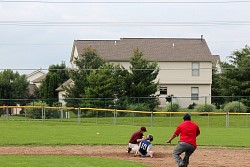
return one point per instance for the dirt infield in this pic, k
(202, 157)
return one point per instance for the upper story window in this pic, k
(194, 93)
(163, 90)
(195, 69)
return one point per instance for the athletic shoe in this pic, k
(129, 149)
(181, 165)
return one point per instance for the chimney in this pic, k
(201, 37)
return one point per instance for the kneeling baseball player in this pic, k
(145, 147)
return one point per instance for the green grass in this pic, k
(68, 133)
(56, 133)
(63, 161)
(217, 120)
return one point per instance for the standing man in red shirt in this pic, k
(135, 139)
(188, 132)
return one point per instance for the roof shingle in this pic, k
(153, 49)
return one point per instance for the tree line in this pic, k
(233, 81)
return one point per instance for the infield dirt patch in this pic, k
(202, 157)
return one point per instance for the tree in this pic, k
(90, 60)
(94, 78)
(141, 82)
(12, 86)
(216, 88)
(56, 76)
(106, 83)
(235, 78)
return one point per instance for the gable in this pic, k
(35, 75)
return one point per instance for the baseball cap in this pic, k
(187, 116)
(143, 129)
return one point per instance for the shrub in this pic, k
(138, 107)
(54, 113)
(205, 108)
(36, 113)
(235, 106)
(96, 113)
(174, 107)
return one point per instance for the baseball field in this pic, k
(46, 143)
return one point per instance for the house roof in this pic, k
(35, 72)
(39, 79)
(153, 49)
(216, 59)
(65, 84)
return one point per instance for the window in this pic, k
(163, 90)
(194, 93)
(195, 69)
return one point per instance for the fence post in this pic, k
(7, 112)
(133, 118)
(78, 115)
(151, 123)
(170, 119)
(227, 119)
(96, 116)
(115, 117)
(42, 113)
(246, 120)
(208, 119)
(206, 104)
(61, 114)
(115, 106)
(25, 114)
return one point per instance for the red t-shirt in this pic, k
(188, 132)
(136, 135)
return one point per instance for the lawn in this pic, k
(62, 161)
(73, 133)
(59, 133)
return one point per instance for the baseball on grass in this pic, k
(97, 133)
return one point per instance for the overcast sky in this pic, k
(37, 34)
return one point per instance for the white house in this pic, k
(61, 91)
(36, 77)
(32, 78)
(185, 63)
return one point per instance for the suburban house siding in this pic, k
(177, 78)
(175, 57)
(182, 94)
(74, 54)
(61, 97)
(181, 73)
(62, 92)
